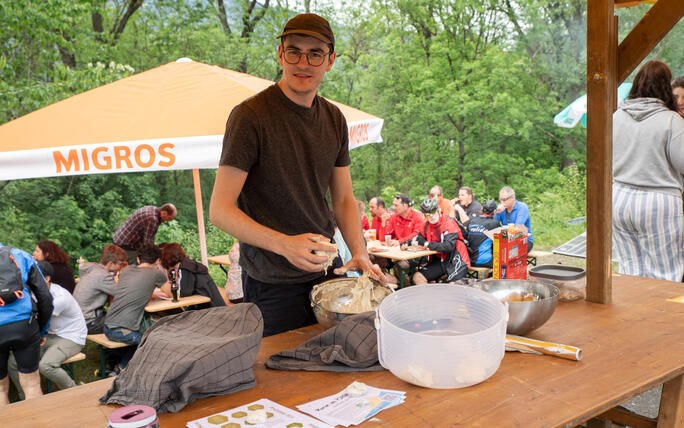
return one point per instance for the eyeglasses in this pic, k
(434, 195)
(293, 56)
(505, 199)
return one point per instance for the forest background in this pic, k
(468, 90)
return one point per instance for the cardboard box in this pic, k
(509, 254)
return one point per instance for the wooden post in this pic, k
(671, 412)
(601, 96)
(200, 216)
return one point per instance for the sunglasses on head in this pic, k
(403, 199)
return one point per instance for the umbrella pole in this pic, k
(200, 216)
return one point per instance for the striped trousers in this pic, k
(648, 233)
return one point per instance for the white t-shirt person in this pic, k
(67, 319)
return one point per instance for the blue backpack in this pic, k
(11, 285)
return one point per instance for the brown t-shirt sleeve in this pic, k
(241, 140)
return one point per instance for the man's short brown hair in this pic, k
(112, 253)
(170, 209)
(466, 189)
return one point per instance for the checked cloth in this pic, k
(191, 355)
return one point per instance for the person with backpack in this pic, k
(66, 335)
(439, 233)
(23, 323)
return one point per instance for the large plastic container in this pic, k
(441, 336)
(570, 280)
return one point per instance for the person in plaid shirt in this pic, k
(141, 227)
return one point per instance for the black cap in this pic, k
(310, 24)
(46, 268)
(489, 207)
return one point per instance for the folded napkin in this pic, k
(349, 346)
(191, 355)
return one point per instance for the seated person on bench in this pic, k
(479, 245)
(137, 284)
(98, 284)
(439, 233)
(66, 335)
(515, 212)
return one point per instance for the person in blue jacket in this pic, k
(514, 212)
(22, 331)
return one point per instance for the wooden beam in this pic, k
(626, 417)
(629, 3)
(601, 99)
(646, 34)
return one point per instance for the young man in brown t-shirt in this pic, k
(283, 150)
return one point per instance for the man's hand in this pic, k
(298, 250)
(499, 208)
(363, 264)
(43, 340)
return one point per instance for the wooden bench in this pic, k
(68, 366)
(103, 344)
(534, 254)
(478, 272)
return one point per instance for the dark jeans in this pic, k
(123, 335)
(284, 307)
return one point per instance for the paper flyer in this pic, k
(346, 409)
(274, 414)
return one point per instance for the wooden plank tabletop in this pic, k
(223, 259)
(396, 253)
(158, 305)
(629, 346)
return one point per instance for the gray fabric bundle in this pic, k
(349, 346)
(191, 355)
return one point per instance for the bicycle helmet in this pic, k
(429, 206)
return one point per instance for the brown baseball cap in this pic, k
(309, 24)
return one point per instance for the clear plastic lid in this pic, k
(558, 272)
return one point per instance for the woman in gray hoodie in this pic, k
(648, 177)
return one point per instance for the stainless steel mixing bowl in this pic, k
(530, 303)
(327, 297)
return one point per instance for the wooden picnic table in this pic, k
(222, 260)
(158, 305)
(397, 254)
(629, 346)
